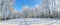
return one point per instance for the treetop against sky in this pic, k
(20, 3)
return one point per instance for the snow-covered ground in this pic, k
(31, 21)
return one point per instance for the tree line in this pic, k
(47, 9)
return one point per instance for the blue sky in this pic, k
(20, 3)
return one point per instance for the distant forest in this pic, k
(47, 9)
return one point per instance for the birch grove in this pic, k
(47, 9)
